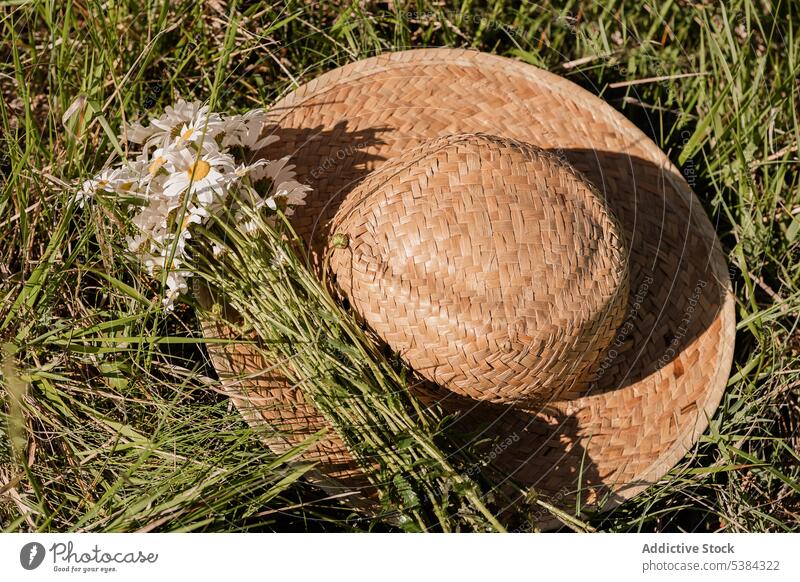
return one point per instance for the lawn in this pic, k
(112, 416)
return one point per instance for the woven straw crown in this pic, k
(493, 267)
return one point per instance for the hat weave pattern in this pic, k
(492, 267)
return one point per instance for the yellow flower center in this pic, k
(198, 170)
(188, 133)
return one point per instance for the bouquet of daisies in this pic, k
(191, 165)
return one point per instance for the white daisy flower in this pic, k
(289, 195)
(156, 162)
(199, 131)
(138, 241)
(191, 167)
(245, 130)
(208, 173)
(120, 180)
(181, 118)
(137, 133)
(277, 171)
(244, 170)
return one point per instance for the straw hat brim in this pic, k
(662, 378)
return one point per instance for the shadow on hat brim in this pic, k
(661, 380)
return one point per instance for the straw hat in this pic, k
(531, 255)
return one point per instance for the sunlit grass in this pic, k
(121, 424)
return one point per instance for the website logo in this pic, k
(31, 555)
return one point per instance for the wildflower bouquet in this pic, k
(193, 165)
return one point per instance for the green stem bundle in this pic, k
(342, 371)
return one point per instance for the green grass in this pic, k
(114, 419)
